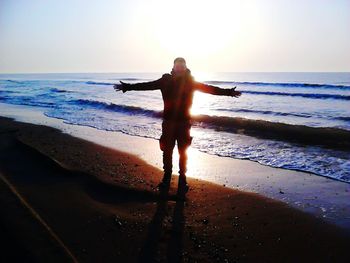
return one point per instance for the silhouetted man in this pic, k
(177, 91)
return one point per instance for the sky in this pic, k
(38, 36)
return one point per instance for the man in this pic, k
(177, 91)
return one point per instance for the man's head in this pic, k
(179, 67)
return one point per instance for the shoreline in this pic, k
(101, 201)
(323, 197)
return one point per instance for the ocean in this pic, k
(298, 121)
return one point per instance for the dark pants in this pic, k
(175, 131)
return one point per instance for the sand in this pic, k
(322, 197)
(102, 206)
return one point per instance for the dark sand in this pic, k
(84, 201)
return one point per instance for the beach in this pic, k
(312, 136)
(80, 167)
(324, 198)
(102, 205)
(174, 131)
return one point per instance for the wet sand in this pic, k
(322, 197)
(101, 205)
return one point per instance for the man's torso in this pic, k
(177, 93)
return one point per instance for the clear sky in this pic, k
(145, 36)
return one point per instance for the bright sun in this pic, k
(194, 27)
(203, 31)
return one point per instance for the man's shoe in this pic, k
(164, 185)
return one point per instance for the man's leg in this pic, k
(167, 164)
(182, 162)
(184, 141)
(183, 187)
(167, 144)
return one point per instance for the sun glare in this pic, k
(192, 27)
(195, 27)
(200, 101)
(199, 30)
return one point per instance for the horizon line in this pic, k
(153, 72)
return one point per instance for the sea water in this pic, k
(252, 126)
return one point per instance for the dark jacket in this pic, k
(177, 93)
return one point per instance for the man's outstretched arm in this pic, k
(151, 85)
(216, 90)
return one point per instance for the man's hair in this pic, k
(179, 59)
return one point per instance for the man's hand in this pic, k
(235, 93)
(121, 87)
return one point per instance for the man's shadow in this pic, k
(175, 244)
